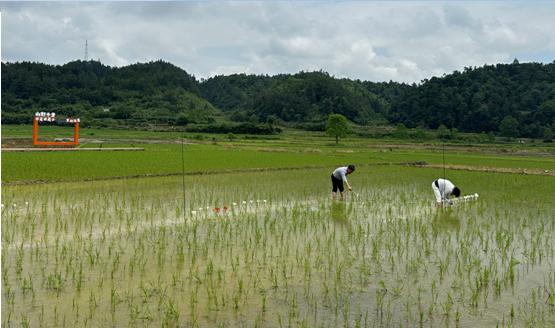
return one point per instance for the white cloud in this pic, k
(110, 49)
(401, 41)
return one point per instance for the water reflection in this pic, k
(446, 219)
(339, 212)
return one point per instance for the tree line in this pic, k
(501, 98)
(135, 95)
(510, 99)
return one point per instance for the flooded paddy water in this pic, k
(273, 249)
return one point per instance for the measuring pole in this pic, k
(183, 172)
(443, 193)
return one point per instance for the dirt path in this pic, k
(480, 149)
(527, 171)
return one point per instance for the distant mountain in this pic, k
(474, 100)
(302, 97)
(139, 94)
(479, 99)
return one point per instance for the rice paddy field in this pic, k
(270, 248)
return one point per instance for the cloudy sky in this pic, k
(376, 41)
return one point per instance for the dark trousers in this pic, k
(336, 184)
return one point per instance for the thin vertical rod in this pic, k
(443, 193)
(183, 172)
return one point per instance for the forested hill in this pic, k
(303, 97)
(518, 96)
(139, 94)
(480, 99)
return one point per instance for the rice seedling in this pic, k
(271, 249)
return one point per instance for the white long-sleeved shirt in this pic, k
(444, 190)
(340, 173)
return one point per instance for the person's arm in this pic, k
(449, 187)
(446, 199)
(344, 177)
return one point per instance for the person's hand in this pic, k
(350, 188)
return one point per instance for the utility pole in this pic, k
(86, 50)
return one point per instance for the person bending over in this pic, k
(444, 190)
(338, 177)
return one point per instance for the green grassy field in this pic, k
(163, 155)
(167, 160)
(251, 237)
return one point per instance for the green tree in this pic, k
(182, 119)
(547, 134)
(546, 112)
(401, 131)
(508, 127)
(443, 132)
(337, 126)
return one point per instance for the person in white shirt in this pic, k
(443, 190)
(339, 176)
